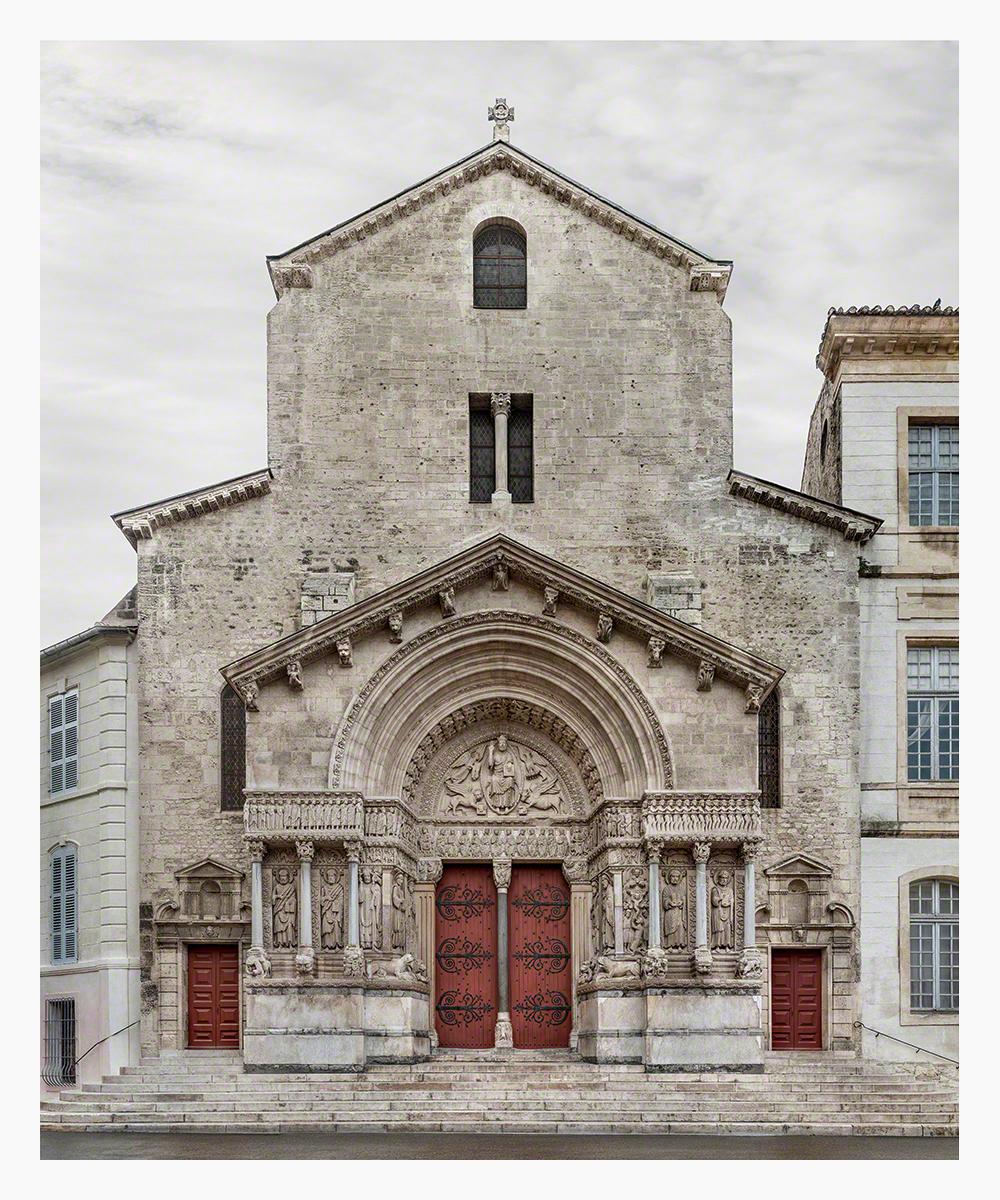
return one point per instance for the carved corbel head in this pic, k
(294, 670)
(654, 651)
(345, 652)
(551, 595)
(754, 696)
(446, 599)
(396, 627)
(250, 694)
(706, 675)
(605, 626)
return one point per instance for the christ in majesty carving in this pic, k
(499, 779)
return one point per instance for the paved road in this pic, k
(471, 1146)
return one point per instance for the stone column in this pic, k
(749, 966)
(702, 952)
(500, 408)
(428, 872)
(581, 949)
(504, 1036)
(256, 963)
(354, 956)
(654, 851)
(305, 960)
(619, 911)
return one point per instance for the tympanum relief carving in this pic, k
(501, 778)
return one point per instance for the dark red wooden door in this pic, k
(541, 987)
(213, 996)
(796, 1000)
(465, 957)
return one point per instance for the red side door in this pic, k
(465, 957)
(541, 987)
(213, 996)
(796, 1000)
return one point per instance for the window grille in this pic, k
(59, 1042)
(934, 946)
(64, 734)
(933, 469)
(520, 451)
(63, 904)
(482, 451)
(932, 712)
(233, 774)
(499, 268)
(769, 751)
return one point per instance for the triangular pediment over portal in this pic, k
(798, 865)
(500, 559)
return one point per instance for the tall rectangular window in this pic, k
(933, 468)
(769, 751)
(63, 905)
(934, 946)
(482, 451)
(520, 451)
(932, 712)
(233, 768)
(64, 712)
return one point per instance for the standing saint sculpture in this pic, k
(608, 913)
(398, 935)
(371, 908)
(723, 922)
(331, 911)
(284, 909)
(675, 910)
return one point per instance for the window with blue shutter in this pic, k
(64, 712)
(63, 903)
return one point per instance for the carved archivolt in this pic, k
(599, 670)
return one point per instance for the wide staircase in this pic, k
(534, 1092)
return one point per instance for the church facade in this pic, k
(499, 711)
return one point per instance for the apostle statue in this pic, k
(723, 919)
(675, 910)
(398, 913)
(331, 911)
(371, 907)
(284, 910)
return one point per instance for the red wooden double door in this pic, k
(213, 996)
(796, 1000)
(538, 958)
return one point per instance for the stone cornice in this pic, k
(529, 566)
(860, 334)
(138, 523)
(855, 526)
(293, 268)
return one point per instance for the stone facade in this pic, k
(98, 818)
(622, 630)
(883, 371)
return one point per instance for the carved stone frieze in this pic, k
(290, 816)
(680, 817)
(488, 842)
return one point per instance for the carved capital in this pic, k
(575, 870)
(500, 404)
(754, 694)
(706, 675)
(501, 872)
(294, 672)
(654, 849)
(250, 693)
(429, 870)
(345, 652)
(447, 601)
(751, 851)
(701, 851)
(255, 849)
(654, 651)
(551, 601)
(396, 627)
(353, 851)
(305, 850)
(605, 626)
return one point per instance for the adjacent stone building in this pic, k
(499, 711)
(884, 437)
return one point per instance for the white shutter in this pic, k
(63, 903)
(63, 742)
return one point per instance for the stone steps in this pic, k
(551, 1093)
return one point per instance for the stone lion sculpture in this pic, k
(615, 968)
(404, 966)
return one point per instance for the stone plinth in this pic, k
(612, 1023)
(397, 1026)
(297, 1028)
(703, 1029)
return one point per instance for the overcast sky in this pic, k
(826, 171)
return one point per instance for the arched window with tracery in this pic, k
(500, 267)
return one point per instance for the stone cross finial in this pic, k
(501, 116)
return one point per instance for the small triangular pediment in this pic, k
(504, 559)
(208, 868)
(799, 864)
